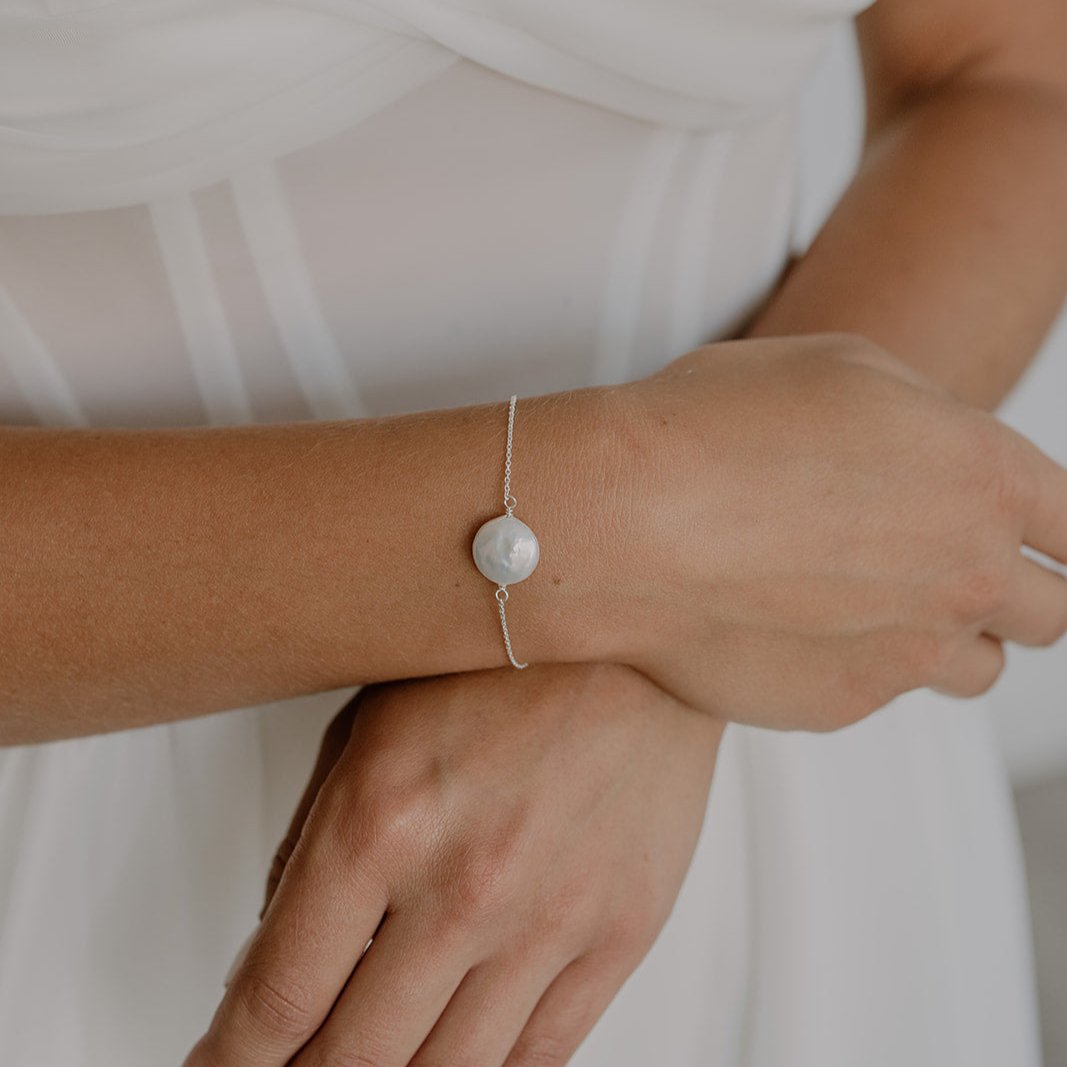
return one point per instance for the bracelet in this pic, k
(505, 549)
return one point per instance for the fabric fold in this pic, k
(108, 104)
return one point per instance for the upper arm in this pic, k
(911, 48)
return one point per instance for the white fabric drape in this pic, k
(105, 103)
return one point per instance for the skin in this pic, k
(283, 525)
(789, 658)
(947, 249)
(705, 589)
(495, 934)
(308, 543)
(96, 653)
(902, 236)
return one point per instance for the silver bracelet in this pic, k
(505, 549)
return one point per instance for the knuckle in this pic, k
(278, 1007)
(995, 469)
(483, 882)
(347, 818)
(980, 592)
(397, 815)
(1012, 481)
(385, 817)
(486, 873)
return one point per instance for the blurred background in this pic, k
(1030, 700)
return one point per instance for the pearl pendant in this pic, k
(505, 550)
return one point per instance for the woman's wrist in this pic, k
(188, 571)
(574, 475)
(575, 454)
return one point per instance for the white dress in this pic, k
(218, 211)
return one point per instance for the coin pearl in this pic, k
(505, 550)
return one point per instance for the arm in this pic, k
(197, 570)
(151, 575)
(686, 523)
(949, 249)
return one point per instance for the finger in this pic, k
(488, 1012)
(1036, 612)
(393, 1000)
(566, 1013)
(322, 916)
(333, 744)
(973, 669)
(1045, 524)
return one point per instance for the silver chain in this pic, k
(509, 507)
(510, 503)
(504, 626)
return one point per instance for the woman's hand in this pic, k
(816, 528)
(513, 842)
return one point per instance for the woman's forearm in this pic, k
(155, 575)
(949, 248)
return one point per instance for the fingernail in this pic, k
(238, 959)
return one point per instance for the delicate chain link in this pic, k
(504, 626)
(509, 507)
(510, 503)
